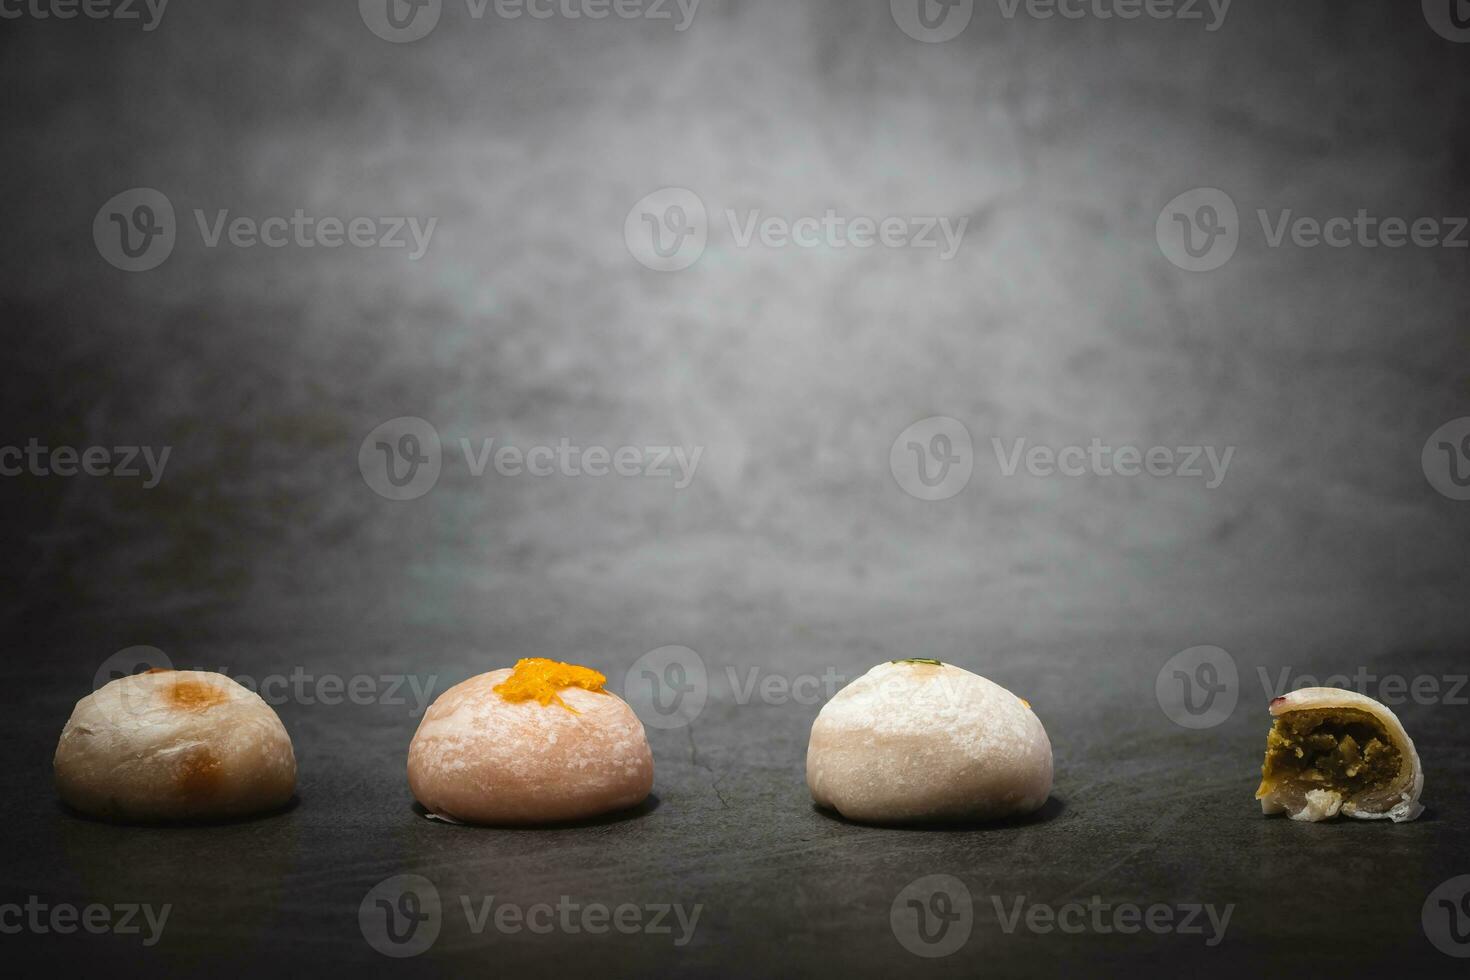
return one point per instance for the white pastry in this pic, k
(174, 745)
(920, 741)
(1332, 751)
(540, 744)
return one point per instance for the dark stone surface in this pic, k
(1143, 812)
(794, 553)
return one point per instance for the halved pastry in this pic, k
(1333, 751)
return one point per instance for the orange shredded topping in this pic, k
(539, 679)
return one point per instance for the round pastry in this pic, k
(174, 745)
(1332, 751)
(916, 741)
(542, 743)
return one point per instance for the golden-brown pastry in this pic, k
(174, 745)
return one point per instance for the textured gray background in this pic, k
(794, 551)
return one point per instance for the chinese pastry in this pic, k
(542, 743)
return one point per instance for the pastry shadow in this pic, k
(248, 818)
(1049, 811)
(649, 804)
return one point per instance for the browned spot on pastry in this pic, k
(157, 670)
(200, 775)
(196, 695)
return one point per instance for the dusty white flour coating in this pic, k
(174, 745)
(478, 758)
(910, 742)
